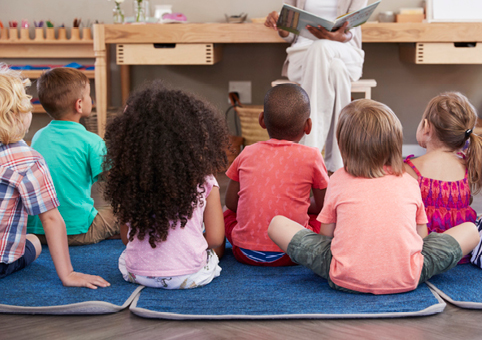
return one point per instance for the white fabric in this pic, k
(325, 70)
(201, 278)
(326, 9)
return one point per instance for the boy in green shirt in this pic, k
(73, 155)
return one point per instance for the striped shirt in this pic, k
(26, 188)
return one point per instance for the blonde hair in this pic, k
(14, 105)
(59, 88)
(370, 137)
(453, 119)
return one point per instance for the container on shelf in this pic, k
(3, 33)
(24, 34)
(86, 33)
(62, 33)
(74, 33)
(39, 34)
(13, 33)
(50, 32)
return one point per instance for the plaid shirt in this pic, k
(26, 188)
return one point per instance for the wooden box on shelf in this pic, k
(441, 53)
(168, 54)
(402, 18)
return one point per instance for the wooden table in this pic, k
(221, 33)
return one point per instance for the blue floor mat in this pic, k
(247, 292)
(38, 290)
(461, 286)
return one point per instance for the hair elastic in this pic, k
(467, 133)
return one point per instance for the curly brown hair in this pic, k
(159, 152)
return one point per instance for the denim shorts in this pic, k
(441, 252)
(27, 258)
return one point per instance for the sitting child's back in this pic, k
(163, 152)
(274, 177)
(74, 156)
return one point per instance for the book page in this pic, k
(356, 18)
(295, 20)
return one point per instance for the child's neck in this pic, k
(71, 117)
(437, 146)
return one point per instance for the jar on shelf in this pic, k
(140, 10)
(118, 13)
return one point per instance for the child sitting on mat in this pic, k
(373, 236)
(26, 188)
(162, 154)
(274, 177)
(448, 172)
(74, 156)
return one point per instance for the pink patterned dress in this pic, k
(446, 203)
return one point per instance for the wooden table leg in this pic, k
(100, 78)
(125, 82)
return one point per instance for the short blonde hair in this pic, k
(370, 137)
(59, 88)
(14, 105)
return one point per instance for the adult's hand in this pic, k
(340, 34)
(271, 21)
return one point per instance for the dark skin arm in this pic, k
(232, 195)
(317, 201)
(339, 35)
(319, 32)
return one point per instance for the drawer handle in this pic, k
(164, 45)
(465, 44)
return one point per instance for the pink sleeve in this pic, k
(421, 215)
(320, 175)
(209, 184)
(232, 172)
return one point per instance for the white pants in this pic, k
(201, 278)
(325, 70)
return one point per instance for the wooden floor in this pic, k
(453, 323)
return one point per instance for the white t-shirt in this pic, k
(327, 9)
(183, 253)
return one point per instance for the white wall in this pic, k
(406, 88)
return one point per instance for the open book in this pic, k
(295, 20)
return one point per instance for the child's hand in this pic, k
(75, 279)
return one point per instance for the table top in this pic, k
(373, 32)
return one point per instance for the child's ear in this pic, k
(308, 126)
(78, 106)
(426, 127)
(261, 120)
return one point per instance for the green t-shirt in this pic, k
(74, 157)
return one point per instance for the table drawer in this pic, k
(168, 54)
(442, 53)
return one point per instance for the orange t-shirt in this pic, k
(275, 178)
(376, 248)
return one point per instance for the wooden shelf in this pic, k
(38, 108)
(47, 49)
(46, 42)
(34, 74)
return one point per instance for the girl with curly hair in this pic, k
(162, 154)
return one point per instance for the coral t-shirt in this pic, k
(376, 248)
(184, 251)
(275, 178)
